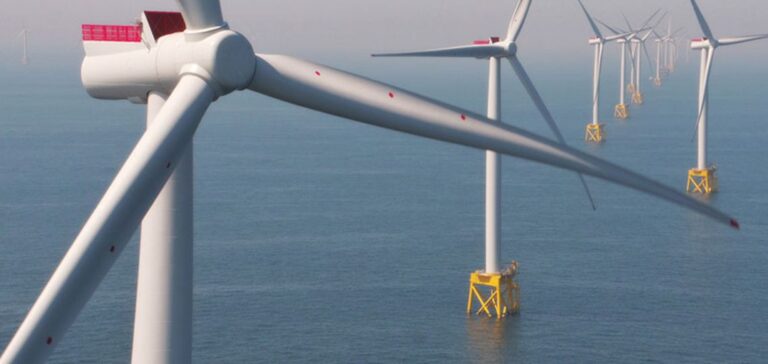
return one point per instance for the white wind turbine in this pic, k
(594, 130)
(179, 67)
(24, 57)
(494, 50)
(702, 178)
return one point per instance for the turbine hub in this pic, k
(511, 49)
(224, 58)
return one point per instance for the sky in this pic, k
(349, 30)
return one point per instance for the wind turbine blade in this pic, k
(742, 39)
(201, 14)
(703, 89)
(614, 31)
(342, 94)
(617, 36)
(647, 56)
(467, 51)
(518, 18)
(595, 29)
(629, 26)
(702, 22)
(648, 21)
(539, 102)
(111, 224)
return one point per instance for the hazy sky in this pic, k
(351, 29)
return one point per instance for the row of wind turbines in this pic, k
(701, 178)
(177, 64)
(635, 39)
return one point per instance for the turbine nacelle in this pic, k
(704, 42)
(157, 57)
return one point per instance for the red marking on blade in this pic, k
(481, 42)
(49, 341)
(391, 95)
(317, 73)
(735, 224)
(463, 117)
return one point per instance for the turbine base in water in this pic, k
(594, 133)
(637, 98)
(621, 112)
(702, 181)
(631, 88)
(657, 81)
(497, 292)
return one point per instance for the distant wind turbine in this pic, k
(702, 179)
(495, 49)
(594, 131)
(24, 40)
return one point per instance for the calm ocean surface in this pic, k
(322, 240)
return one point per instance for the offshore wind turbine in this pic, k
(178, 64)
(24, 41)
(702, 179)
(639, 42)
(594, 130)
(494, 50)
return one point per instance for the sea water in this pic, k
(323, 240)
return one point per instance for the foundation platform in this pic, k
(621, 112)
(702, 180)
(637, 98)
(631, 88)
(594, 133)
(657, 81)
(495, 293)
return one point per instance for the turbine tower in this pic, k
(657, 76)
(702, 179)
(637, 96)
(178, 64)
(502, 291)
(24, 57)
(594, 132)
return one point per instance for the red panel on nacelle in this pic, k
(164, 22)
(111, 33)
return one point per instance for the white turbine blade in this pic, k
(111, 224)
(703, 88)
(629, 26)
(518, 18)
(617, 36)
(614, 31)
(467, 51)
(201, 14)
(595, 29)
(742, 39)
(544, 111)
(342, 94)
(702, 22)
(648, 21)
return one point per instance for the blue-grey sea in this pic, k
(320, 240)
